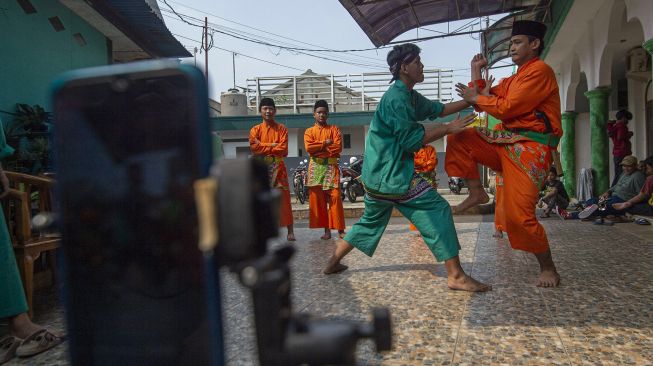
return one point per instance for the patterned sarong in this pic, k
(324, 174)
(418, 187)
(529, 155)
(276, 171)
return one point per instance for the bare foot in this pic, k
(22, 326)
(475, 198)
(548, 278)
(326, 236)
(498, 234)
(341, 234)
(467, 283)
(334, 268)
(291, 237)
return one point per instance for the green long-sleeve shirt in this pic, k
(394, 136)
(628, 186)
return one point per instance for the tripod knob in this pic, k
(382, 329)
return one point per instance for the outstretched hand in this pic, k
(467, 93)
(459, 124)
(488, 85)
(478, 61)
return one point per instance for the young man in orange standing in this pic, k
(528, 104)
(324, 144)
(269, 142)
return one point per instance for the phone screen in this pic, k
(128, 147)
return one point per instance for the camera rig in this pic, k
(235, 199)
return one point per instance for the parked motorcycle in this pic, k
(350, 182)
(456, 184)
(299, 175)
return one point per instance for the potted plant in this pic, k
(28, 133)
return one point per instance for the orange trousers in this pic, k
(524, 166)
(499, 218)
(285, 209)
(325, 208)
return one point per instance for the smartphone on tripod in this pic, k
(129, 141)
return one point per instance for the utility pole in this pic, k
(206, 49)
(233, 61)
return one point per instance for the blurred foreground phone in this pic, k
(129, 142)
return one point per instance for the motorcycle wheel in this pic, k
(351, 194)
(299, 191)
(301, 195)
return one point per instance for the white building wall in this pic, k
(295, 141)
(230, 146)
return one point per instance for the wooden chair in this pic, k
(28, 196)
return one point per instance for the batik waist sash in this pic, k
(512, 136)
(324, 161)
(418, 187)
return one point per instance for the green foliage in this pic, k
(28, 134)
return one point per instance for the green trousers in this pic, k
(12, 294)
(430, 213)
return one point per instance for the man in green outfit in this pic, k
(388, 171)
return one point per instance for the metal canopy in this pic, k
(496, 39)
(384, 20)
(137, 20)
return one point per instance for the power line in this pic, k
(264, 30)
(322, 57)
(313, 49)
(241, 54)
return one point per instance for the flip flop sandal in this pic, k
(8, 347)
(37, 342)
(642, 221)
(603, 222)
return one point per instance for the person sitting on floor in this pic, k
(555, 196)
(628, 186)
(641, 204)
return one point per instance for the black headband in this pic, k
(408, 58)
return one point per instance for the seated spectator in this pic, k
(642, 204)
(27, 338)
(628, 186)
(641, 166)
(554, 196)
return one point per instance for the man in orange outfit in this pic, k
(269, 142)
(426, 160)
(528, 104)
(324, 144)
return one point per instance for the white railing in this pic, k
(350, 92)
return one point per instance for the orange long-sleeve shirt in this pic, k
(315, 141)
(426, 159)
(516, 98)
(268, 134)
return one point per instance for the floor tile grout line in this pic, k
(462, 317)
(555, 324)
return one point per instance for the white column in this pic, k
(292, 142)
(637, 106)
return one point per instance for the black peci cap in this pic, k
(528, 28)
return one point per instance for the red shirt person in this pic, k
(618, 132)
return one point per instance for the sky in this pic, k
(305, 24)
